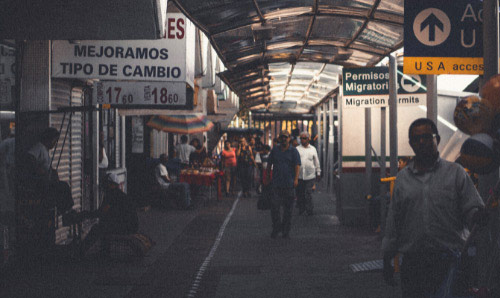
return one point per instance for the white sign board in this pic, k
(137, 135)
(124, 93)
(369, 88)
(7, 74)
(167, 59)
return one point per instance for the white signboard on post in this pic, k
(123, 94)
(368, 87)
(167, 59)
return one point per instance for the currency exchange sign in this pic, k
(443, 37)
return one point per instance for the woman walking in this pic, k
(245, 162)
(229, 166)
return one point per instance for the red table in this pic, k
(203, 179)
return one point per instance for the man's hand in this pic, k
(388, 271)
(295, 182)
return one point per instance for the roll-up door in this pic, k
(70, 167)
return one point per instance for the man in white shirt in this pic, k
(183, 150)
(161, 173)
(177, 192)
(309, 172)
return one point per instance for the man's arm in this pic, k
(316, 163)
(297, 168)
(296, 179)
(268, 168)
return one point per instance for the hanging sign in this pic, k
(443, 37)
(125, 94)
(369, 87)
(167, 59)
(137, 135)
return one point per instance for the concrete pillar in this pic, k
(368, 150)
(432, 104)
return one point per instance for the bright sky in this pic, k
(454, 82)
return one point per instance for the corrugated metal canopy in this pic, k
(287, 54)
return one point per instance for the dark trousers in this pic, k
(423, 273)
(282, 197)
(304, 195)
(245, 176)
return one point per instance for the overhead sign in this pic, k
(7, 75)
(168, 59)
(139, 94)
(443, 37)
(369, 87)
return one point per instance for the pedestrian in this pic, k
(183, 150)
(285, 163)
(198, 156)
(310, 171)
(276, 142)
(229, 166)
(170, 189)
(432, 201)
(245, 163)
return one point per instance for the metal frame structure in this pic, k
(281, 55)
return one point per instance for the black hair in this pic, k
(163, 156)
(267, 147)
(49, 133)
(184, 139)
(424, 121)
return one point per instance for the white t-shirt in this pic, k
(183, 152)
(161, 171)
(104, 163)
(41, 154)
(309, 167)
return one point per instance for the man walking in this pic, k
(432, 201)
(285, 162)
(310, 172)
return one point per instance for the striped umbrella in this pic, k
(181, 124)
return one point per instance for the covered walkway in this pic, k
(195, 257)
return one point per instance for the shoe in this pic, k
(274, 234)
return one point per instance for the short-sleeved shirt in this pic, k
(183, 152)
(41, 155)
(229, 157)
(161, 171)
(284, 163)
(428, 209)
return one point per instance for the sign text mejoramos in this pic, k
(139, 60)
(369, 87)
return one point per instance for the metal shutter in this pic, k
(71, 165)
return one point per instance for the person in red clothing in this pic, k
(229, 166)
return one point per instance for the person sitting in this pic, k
(117, 215)
(178, 191)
